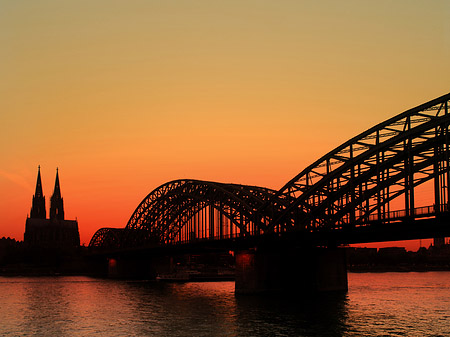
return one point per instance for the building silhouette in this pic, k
(55, 232)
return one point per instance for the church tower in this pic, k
(56, 202)
(53, 233)
(38, 205)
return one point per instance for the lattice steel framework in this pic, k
(107, 238)
(371, 178)
(188, 210)
(373, 173)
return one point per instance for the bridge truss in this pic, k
(374, 177)
(189, 210)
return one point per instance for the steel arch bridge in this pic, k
(190, 210)
(375, 177)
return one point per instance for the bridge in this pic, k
(391, 182)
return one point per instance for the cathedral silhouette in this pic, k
(55, 232)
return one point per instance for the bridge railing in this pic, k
(217, 237)
(418, 212)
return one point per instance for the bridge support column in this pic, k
(299, 271)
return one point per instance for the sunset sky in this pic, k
(123, 96)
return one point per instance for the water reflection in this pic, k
(400, 304)
(289, 316)
(43, 307)
(394, 304)
(189, 309)
(212, 309)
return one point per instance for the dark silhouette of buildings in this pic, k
(435, 257)
(55, 232)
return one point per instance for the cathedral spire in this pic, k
(57, 190)
(56, 201)
(38, 205)
(39, 192)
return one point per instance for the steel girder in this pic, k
(354, 184)
(161, 215)
(358, 180)
(107, 238)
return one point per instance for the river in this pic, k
(377, 304)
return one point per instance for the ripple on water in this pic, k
(384, 304)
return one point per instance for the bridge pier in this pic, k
(298, 271)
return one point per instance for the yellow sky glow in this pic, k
(123, 96)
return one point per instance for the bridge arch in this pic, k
(360, 180)
(372, 177)
(187, 210)
(107, 238)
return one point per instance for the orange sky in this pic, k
(123, 96)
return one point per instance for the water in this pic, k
(384, 304)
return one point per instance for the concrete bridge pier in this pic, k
(297, 271)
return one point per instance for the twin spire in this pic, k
(38, 192)
(38, 205)
(56, 201)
